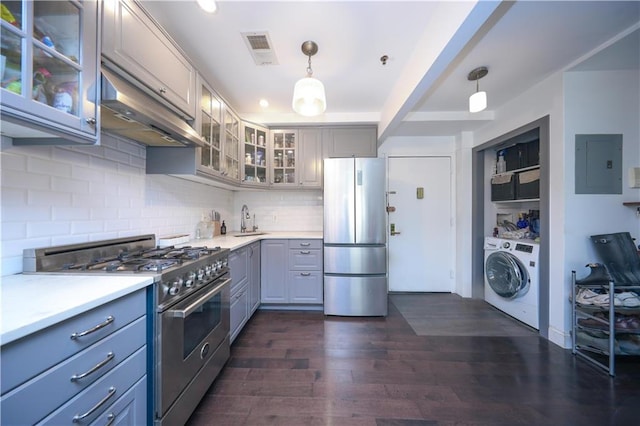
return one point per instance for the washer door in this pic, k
(506, 275)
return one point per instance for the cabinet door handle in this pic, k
(305, 244)
(163, 90)
(79, 417)
(95, 368)
(108, 321)
(305, 274)
(91, 121)
(305, 251)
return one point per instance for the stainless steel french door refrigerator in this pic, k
(355, 243)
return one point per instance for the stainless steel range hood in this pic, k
(126, 110)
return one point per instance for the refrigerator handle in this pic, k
(359, 177)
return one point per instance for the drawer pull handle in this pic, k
(305, 252)
(305, 274)
(78, 418)
(98, 366)
(110, 419)
(108, 321)
(305, 244)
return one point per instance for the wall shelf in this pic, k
(631, 203)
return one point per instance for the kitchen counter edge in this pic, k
(31, 303)
(232, 242)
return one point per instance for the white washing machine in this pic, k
(511, 281)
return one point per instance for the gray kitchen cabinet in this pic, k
(70, 367)
(305, 278)
(352, 141)
(292, 272)
(254, 155)
(309, 171)
(133, 42)
(239, 304)
(274, 271)
(283, 157)
(231, 147)
(254, 276)
(209, 126)
(50, 64)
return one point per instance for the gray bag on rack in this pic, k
(620, 255)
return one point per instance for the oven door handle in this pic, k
(183, 313)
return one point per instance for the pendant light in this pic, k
(308, 94)
(478, 101)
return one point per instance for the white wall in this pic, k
(62, 195)
(597, 103)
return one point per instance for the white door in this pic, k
(421, 251)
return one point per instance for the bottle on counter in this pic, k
(223, 229)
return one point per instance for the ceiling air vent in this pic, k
(259, 46)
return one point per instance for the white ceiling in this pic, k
(431, 45)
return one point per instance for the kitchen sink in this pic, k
(249, 234)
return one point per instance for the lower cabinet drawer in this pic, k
(93, 401)
(305, 259)
(239, 310)
(57, 385)
(40, 351)
(129, 410)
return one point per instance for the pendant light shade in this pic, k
(308, 94)
(308, 97)
(208, 6)
(478, 101)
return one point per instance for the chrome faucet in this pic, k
(244, 215)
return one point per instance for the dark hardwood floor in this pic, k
(302, 368)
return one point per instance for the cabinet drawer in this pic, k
(54, 387)
(129, 410)
(239, 310)
(238, 260)
(39, 351)
(99, 396)
(305, 287)
(305, 260)
(305, 244)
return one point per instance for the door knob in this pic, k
(394, 233)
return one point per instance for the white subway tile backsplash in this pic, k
(17, 214)
(76, 186)
(71, 156)
(14, 230)
(37, 198)
(86, 226)
(39, 229)
(69, 213)
(23, 179)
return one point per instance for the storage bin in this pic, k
(503, 187)
(528, 184)
(522, 155)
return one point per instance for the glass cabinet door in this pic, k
(231, 145)
(284, 150)
(48, 61)
(255, 155)
(210, 110)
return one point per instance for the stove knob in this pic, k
(219, 265)
(225, 262)
(174, 290)
(200, 274)
(191, 277)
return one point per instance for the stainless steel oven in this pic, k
(188, 310)
(193, 341)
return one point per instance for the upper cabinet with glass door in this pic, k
(284, 147)
(231, 149)
(255, 155)
(49, 71)
(209, 121)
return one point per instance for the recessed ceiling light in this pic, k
(264, 103)
(208, 6)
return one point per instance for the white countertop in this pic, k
(31, 303)
(232, 242)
